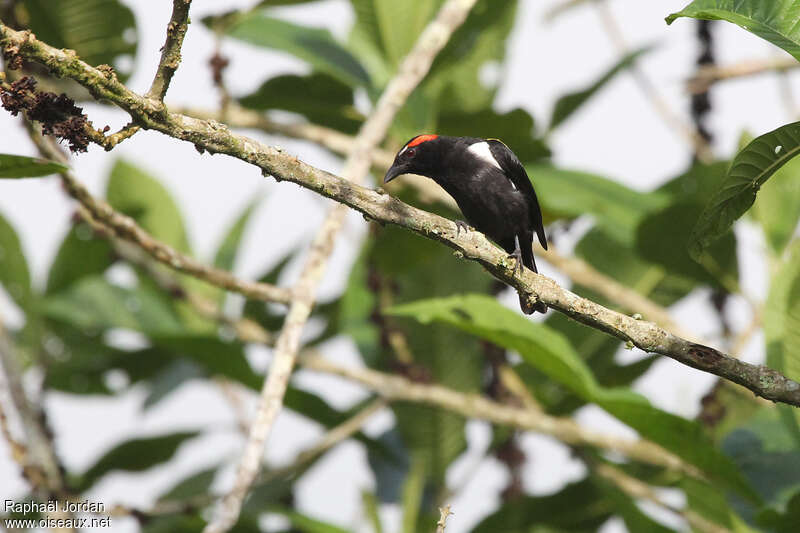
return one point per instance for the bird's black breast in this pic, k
(489, 201)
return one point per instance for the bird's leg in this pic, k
(461, 225)
(517, 255)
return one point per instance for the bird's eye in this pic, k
(410, 152)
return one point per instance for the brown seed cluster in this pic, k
(57, 113)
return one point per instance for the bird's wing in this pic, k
(515, 172)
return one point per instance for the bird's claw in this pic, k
(461, 225)
(517, 257)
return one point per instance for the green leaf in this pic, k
(570, 194)
(321, 98)
(20, 166)
(662, 239)
(775, 21)
(194, 485)
(100, 31)
(751, 168)
(80, 255)
(229, 248)
(457, 80)
(135, 455)
(140, 196)
(552, 354)
(93, 303)
(569, 103)
(578, 507)
(385, 30)
(313, 45)
(627, 266)
(14, 275)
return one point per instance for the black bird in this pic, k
(490, 186)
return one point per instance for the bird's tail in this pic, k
(529, 262)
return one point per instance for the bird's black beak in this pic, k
(393, 172)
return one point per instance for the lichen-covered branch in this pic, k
(171, 51)
(375, 204)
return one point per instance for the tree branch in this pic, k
(215, 137)
(171, 51)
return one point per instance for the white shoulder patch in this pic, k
(482, 151)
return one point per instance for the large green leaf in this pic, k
(408, 268)
(20, 166)
(140, 196)
(626, 265)
(552, 354)
(385, 30)
(569, 194)
(566, 105)
(319, 97)
(751, 168)
(457, 81)
(80, 255)
(313, 45)
(773, 20)
(661, 238)
(134, 455)
(14, 275)
(100, 31)
(93, 303)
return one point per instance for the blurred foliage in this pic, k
(410, 306)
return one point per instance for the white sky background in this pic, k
(618, 135)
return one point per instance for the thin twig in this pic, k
(444, 513)
(705, 77)
(171, 51)
(374, 204)
(412, 70)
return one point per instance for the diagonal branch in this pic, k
(171, 51)
(375, 204)
(359, 161)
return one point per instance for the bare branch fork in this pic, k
(217, 138)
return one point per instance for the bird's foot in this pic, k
(517, 257)
(461, 225)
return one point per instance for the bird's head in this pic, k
(421, 155)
